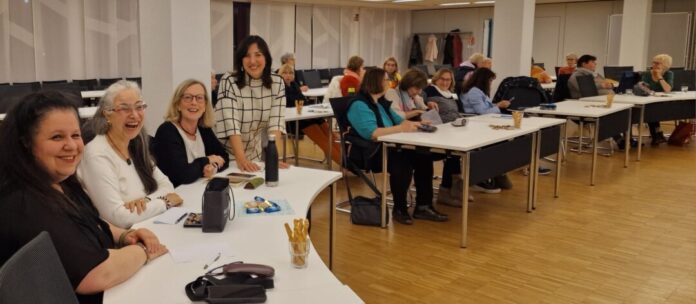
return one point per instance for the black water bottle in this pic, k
(271, 162)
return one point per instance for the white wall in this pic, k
(579, 27)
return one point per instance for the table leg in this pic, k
(465, 197)
(582, 128)
(329, 159)
(332, 224)
(565, 140)
(533, 170)
(297, 143)
(640, 132)
(627, 147)
(384, 185)
(594, 152)
(557, 182)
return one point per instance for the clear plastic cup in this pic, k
(298, 106)
(629, 91)
(684, 89)
(299, 252)
(517, 119)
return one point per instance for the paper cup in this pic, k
(610, 100)
(517, 119)
(298, 106)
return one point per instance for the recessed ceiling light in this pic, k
(402, 1)
(455, 3)
(483, 2)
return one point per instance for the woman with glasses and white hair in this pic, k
(185, 145)
(117, 171)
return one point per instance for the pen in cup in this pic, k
(211, 263)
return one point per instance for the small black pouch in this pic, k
(236, 293)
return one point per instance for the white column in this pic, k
(513, 33)
(635, 33)
(175, 45)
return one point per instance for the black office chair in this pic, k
(34, 274)
(336, 72)
(35, 86)
(71, 91)
(311, 78)
(615, 72)
(587, 86)
(324, 76)
(53, 81)
(684, 78)
(87, 84)
(525, 97)
(11, 95)
(138, 80)
(557, 69)
(358, 155)
(540, 64)
(106, 82)
(561, 92)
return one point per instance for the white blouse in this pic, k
(110, 182)
(195, 148)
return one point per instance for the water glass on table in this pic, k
(684, 89)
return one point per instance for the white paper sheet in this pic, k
(172, 216)
(433, 116)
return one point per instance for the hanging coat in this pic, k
(448, 51)
(416, 56)
(456, 49)
(431, 49)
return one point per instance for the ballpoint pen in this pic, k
(211, 263)
(181, 218)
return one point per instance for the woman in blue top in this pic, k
(370, 116)
(475, 92)
(660, 79)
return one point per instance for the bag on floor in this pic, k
(681, 134)
(366, 211)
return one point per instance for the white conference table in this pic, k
(85, 113)
(477, 136)
(548, 86)
(316, 92)
(660, 107)
(321, 110)
(593, 113)
(259, 240)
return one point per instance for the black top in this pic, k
(292, 93)
(81, 238)
(170, 152)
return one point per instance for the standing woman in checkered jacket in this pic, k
(251, 105)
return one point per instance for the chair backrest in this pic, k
(684, 78)
(561, 92)
(340, 110)
(138, 80)
(557, 69)
(525, 97)
(628, 80)
(324, 75)
(615, 72)
(587, 86)
(71, 90)
(35, 86)
(53, 81)
(34, 274)
(336, 72)
(443, 66)
(106, 82)
(422, 67)
(87, 84)
(540, 64)
(11, 95)
(311, 78)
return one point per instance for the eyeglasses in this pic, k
(446, 79)
(190, 98)
(127, 109)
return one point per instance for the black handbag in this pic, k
(218, 203)
(366, 211)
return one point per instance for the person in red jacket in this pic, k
(352, 75)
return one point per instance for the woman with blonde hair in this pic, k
(185, 145)
(659, 79)
(392, 67)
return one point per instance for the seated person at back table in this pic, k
(586, 66)
(659, 79)
(352, 75)
(569, 68)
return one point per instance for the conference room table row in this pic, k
(252, 238)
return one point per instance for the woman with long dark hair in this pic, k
(475, 92)
(185, 145)
(118, 172)
(41, 149)
(370, 116)
(251, 104)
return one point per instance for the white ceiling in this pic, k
(417, 5)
